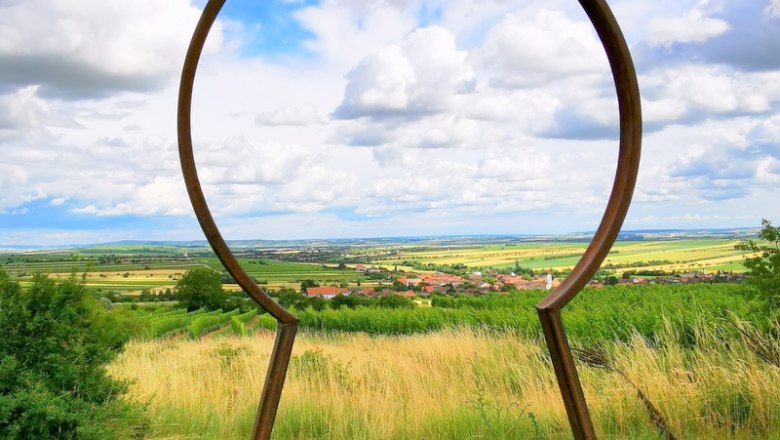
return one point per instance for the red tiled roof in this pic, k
(442, 279)
(327, 290)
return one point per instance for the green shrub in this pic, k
(209, 321)
(56, 342)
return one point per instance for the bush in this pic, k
(763, 266)
(56, 342)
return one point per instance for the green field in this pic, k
(675, 255)
(275, 274)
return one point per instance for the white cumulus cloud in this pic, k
(418, 77)
(693, 27)
(523, 52)
(89, 48)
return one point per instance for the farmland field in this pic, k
(130, 269)
(136, 272)
(276, 274)
(678, 255)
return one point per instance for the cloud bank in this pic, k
(408, 117)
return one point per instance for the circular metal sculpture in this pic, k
(549, 309)
(287, 322)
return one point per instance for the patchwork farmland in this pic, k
(132, 269)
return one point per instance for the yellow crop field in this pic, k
(671, 255)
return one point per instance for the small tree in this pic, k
(316, 303)
(395, 302)
(226, 278)
(399, 286)
(763, 267)
(289, 298)
(305, 284)
(201, 288)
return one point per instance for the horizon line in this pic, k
(203, 241)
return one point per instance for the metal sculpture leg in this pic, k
(549, 309)
(287, 323)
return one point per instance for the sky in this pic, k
(352, 118)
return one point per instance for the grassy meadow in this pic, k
(454, 384)
(480, 372)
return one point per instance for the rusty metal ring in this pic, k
(548, 309)
(287, 322)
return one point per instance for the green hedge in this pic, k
(238, 322)
(209, 321)
(159, 325)
(594, 315)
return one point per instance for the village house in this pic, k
(368, 291)
(440, 280)
(538, 284)
(411, 282)
(326, 292)
(521, 283)
(407, 294)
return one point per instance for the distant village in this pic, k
(477, 283)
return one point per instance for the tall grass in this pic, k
(453, 384)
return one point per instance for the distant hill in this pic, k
(681, 234)
(632, 235)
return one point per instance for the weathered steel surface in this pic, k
(549, 309)
(287, 323)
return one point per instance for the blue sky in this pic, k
(344, 118)
(270, 26)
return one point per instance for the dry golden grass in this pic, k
(448, 385)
